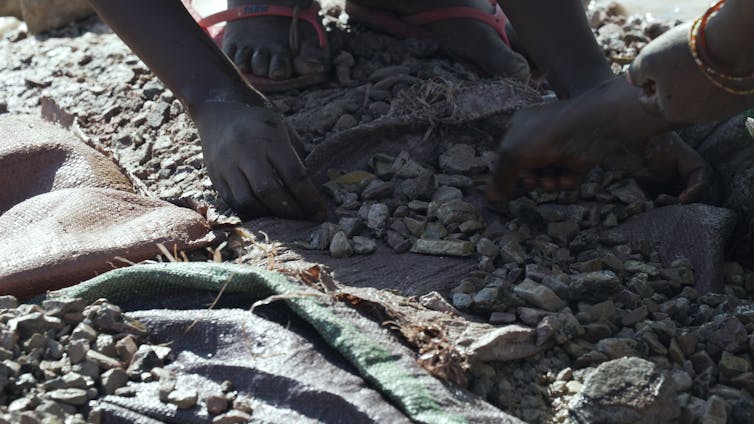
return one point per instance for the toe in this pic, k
(312, 59)
(229, 48)
(280, 64)
(569, 181)
(242, 58)
(260, 62)
(506, 63)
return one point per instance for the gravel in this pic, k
(578, 307)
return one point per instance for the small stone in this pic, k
(436, 302)
(538, 296)
(574, 387)
(443, 247)
(504, 344)
(377, 217)
(731, 366)
(634, 316)
(486, 247)
(113, 379)
(487, 297)
(454, 212)
(233, 416)
(595, 286)
(166, 385)
(418, 205)
(377, 189)
(415, 226)
(84, 331)
(434, 231)
(715, 411)
(462, 300)
(405, 167)
(471, 226)
(397, 242)
(626, 390)
(103, 361)
(183, 398)
(340, 247)
(216, 403)
(497, 318)
(619, 347)
(143, 361)
(563, 232)
(35, 322)
(77, 397)
(461, 159)
(127, 391)
(243, 404)
(682, 380)
(321, 237)
(88, 368)
(350, 225)
(364, 245)
(126, 348)
(8, 302)
(511, 251)
(446, 194)
(345, 122)
(566, 374)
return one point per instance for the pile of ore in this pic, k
(566, 287)
(58, 357)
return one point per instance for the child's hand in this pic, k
(252, 162)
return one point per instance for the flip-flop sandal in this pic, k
(412, 26)
(310, 15)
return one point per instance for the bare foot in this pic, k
(261, 46)
(469, 39)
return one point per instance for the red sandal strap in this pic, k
(310, 15)
(497, 20)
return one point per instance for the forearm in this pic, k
(164, 35)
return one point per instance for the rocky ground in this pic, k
(604, 329)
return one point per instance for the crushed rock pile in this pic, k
(60, 357)
(580, 309)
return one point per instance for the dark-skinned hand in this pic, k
(251, 160)
(539, 151)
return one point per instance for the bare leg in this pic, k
(557, 37)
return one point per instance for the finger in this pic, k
(635, 74)
(548, 182)
(294, 177)
(270, 190)
(569, 180)
(528, 179)
(506, 172)
(242, 198)
(222, 189)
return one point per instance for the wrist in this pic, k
(729, 34)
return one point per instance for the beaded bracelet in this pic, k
(697, 40)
